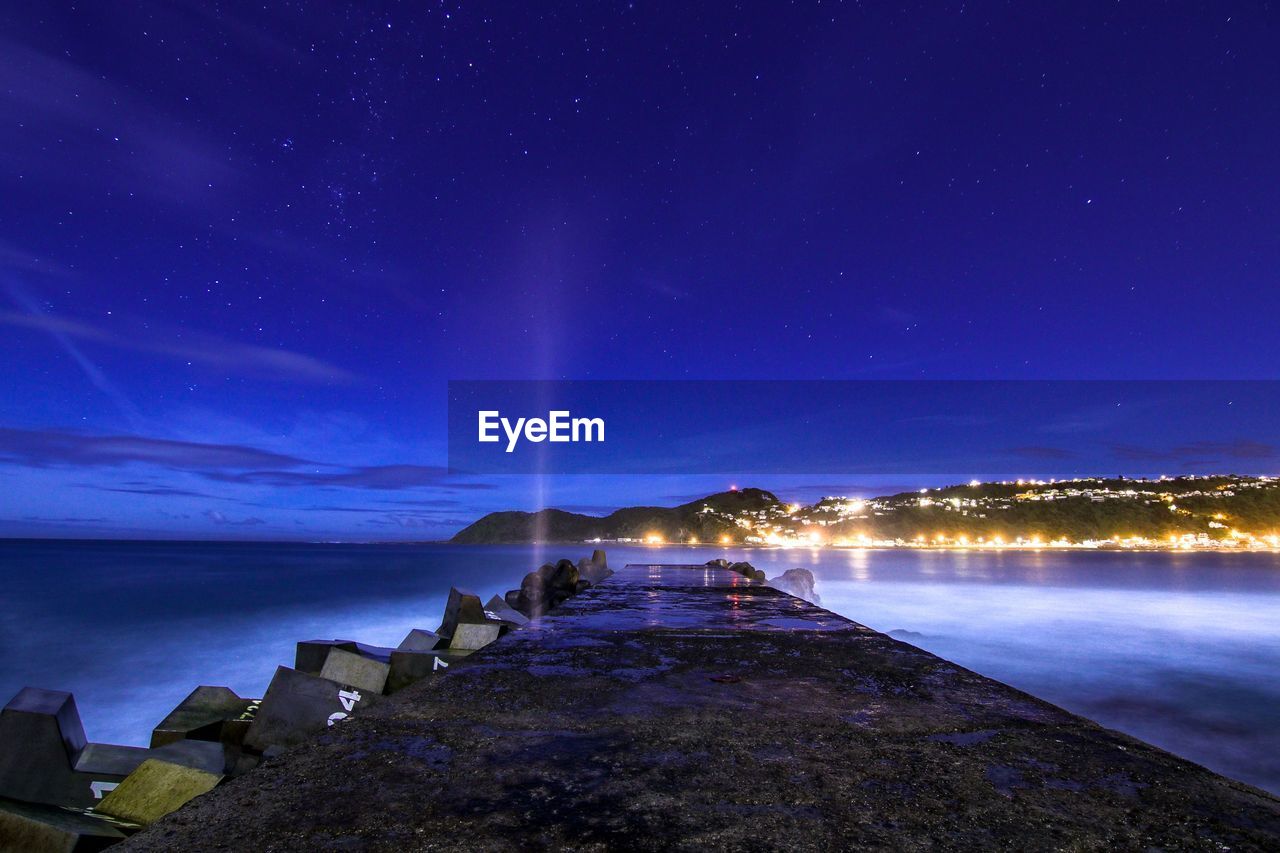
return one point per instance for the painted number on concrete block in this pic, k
(348, 698)
(101, 788)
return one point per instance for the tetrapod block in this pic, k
(461, 607)
(41, 741)
(408, 667)
(47, 829)
(347, 667)
(469, 637)
(197, 754)
(594, 569)
(200, 716)
(299, 706)
(109, 759)
(418, 640)
(155, 789)
(44, 757)
(311, 654)
(499, 609)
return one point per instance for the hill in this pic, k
(1192, 511)
(705, 519)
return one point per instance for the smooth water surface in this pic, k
(1182, 650)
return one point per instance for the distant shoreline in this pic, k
(709, 546)
(757, 546)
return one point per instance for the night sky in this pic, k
(243, 247)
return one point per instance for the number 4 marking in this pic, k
(348, 698)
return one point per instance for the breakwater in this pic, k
(692, 706)
(59, 791)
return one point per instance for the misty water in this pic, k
(1181, 650)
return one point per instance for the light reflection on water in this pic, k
(1179, 649)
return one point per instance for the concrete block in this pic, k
(347, 667)
(200, 716)
(408, 667)
(299, 706)
(43, 708)
(45, 757)
(595, 568)
(311, 654)
(197, 754)
(499, 609)
(461, 607)
(233, 731)
(469, 637)
(549, 586)
(382, 653)
(565, 577)
(419, 640)
(47, 829)
(109, 759)
(532, 600)
(155, 789)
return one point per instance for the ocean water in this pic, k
(1181, 650)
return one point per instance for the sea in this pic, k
(1179, 649)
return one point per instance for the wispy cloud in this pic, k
(1200, 452)
(1043, 452)
(385, 477)
(223, 463)
(220, 518)
(56, 98)
(19, 260)
(196, 347)
(428, 502)
(94, 374)
(155, 491)
(47, 448)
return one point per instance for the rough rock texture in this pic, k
(548, 587)
(748, 571)
(797, 582)
(689, 708)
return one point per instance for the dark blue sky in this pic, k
(242, 248)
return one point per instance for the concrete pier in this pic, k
(688, 708)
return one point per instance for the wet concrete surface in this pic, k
(686, 708)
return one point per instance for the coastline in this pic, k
(975, 547)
